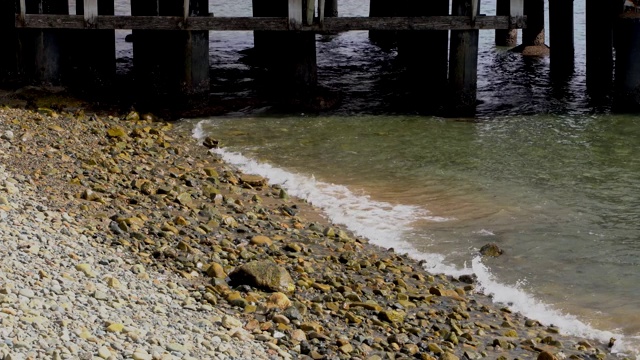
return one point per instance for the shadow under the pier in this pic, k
(355, 76)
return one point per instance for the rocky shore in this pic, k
(123, 238)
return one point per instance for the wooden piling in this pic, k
(599, 33)
(627, 64)
(41, 51)
(424, 67)
(505, 37)
(171, 62)
(9, 40)
(264, 41)
(382, 8)
(533, 35)
(331, 8)
(94, 56)
(561, 29)
(463, 63)
(290, 57)
(299, 66)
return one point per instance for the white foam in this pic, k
(518, 300)
(484, 232)
(386, 225)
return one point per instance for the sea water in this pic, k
(559, 194)
(541, 171)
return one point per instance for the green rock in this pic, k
(435, 348)
(184, 199)
(353, 318)
(133, 116)
(210, 191)
(253, 180)
(211, 172)
(115, 327)
(46, 111)
(391, 316)
(448, 356)
(283, 194)
(263, 274)
(116, 132)
(322, 287)
(453, 338)
(86, 269)
(329, 232)
(366, 305)
(407, 304)
(511, 333)
(504, 344)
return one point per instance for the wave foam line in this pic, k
(382, 223)
(518, 300)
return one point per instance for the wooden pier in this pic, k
(171, 41)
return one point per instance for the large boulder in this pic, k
(263, 274)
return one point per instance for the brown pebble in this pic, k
(280, 319)
(545, 355)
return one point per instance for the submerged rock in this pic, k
(491, 249)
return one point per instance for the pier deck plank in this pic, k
(335, 24)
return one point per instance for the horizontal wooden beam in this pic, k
(334, 24)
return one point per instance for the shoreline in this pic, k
(151, 192)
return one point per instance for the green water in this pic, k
(560, 194)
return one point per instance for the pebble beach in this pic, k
(122, 237)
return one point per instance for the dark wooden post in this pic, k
(9, 40)
(507, 37)
(264, 41)
(599, 17)
(533, 35)
(561, 37)
(41, 50)
(167, 62)
(94, 58)
(426, 71)
(299, 65)
(290, 56)
(382, 8)
(627, 65)
(331, 8)
(463, 62)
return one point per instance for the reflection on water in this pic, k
(369, 78)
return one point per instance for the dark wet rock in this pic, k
(211, 143)
(263, 274)
(468, 279)
(491, 249)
